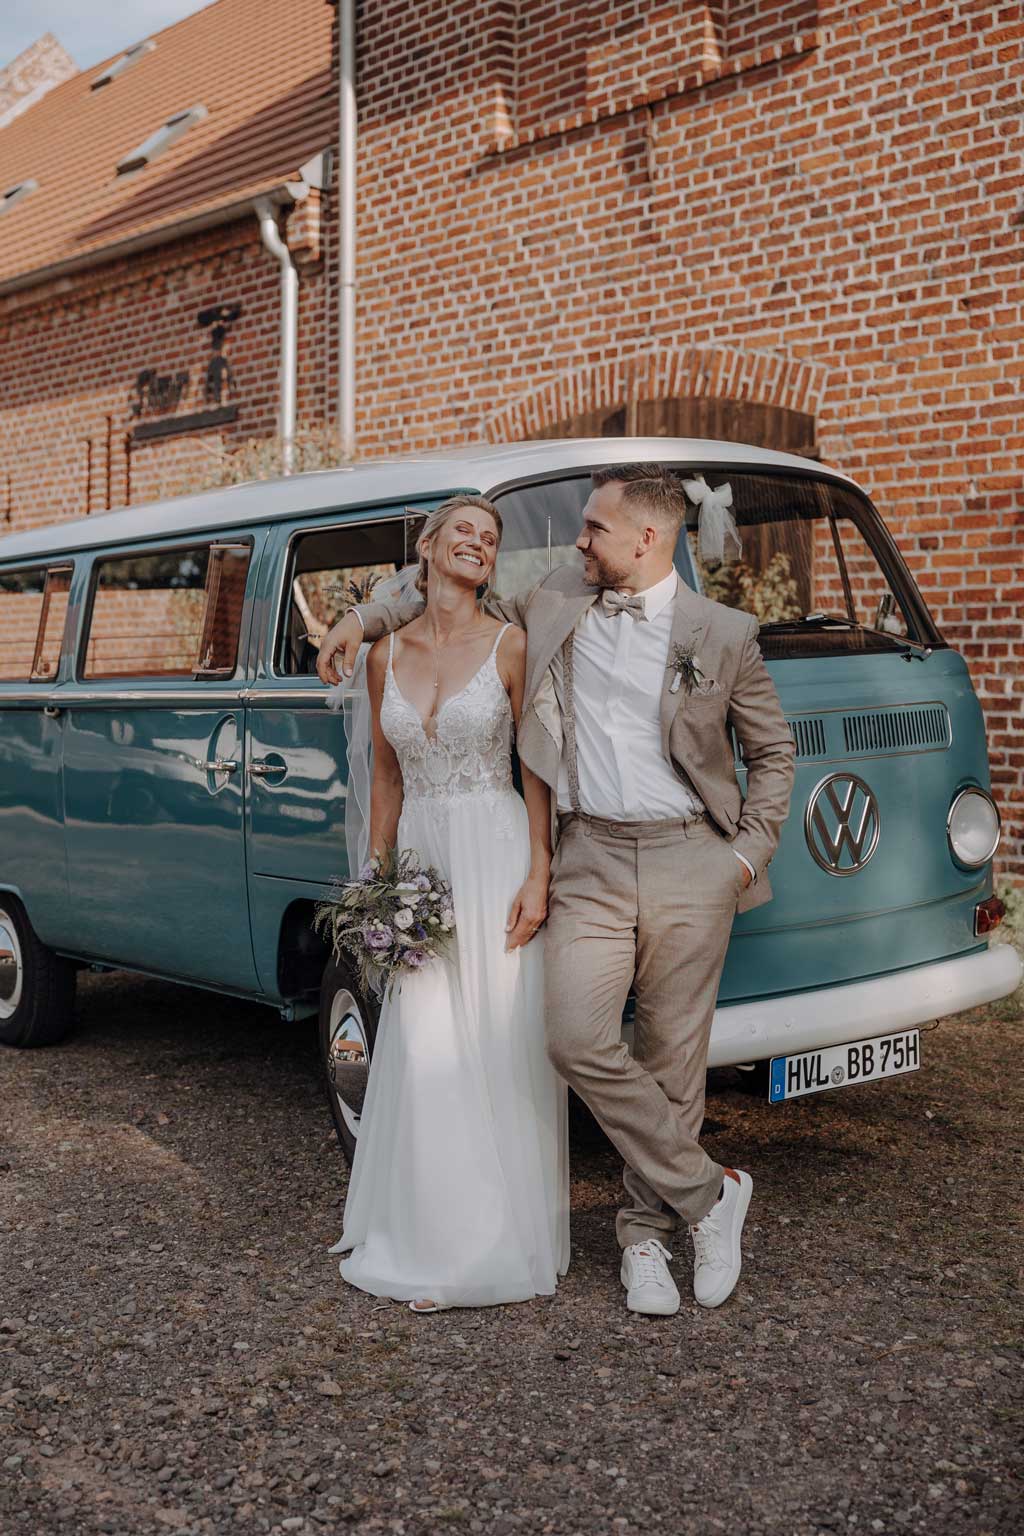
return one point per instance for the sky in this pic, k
(90, 30)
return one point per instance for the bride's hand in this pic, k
(529, 909)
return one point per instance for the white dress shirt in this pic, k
(618, 673)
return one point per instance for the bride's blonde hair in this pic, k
(437, 519)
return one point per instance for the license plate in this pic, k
(862, 1061)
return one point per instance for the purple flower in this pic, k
(414, 958)
(418, 931)
(422, 883)
(377, 936)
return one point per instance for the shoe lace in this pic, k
(705, 1242)
(649, 1259)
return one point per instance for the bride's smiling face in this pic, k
(464, 549)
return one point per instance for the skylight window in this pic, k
(164, 137)
(126, 61)
(15, 194)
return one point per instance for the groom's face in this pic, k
(611, 540)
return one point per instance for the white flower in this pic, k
(407, 885)
(403, 918)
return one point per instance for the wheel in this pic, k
(37, 987)
(348, 1031)
(754, 1078)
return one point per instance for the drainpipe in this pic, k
(347, 229)
(271, 238)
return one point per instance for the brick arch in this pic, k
(720, 372)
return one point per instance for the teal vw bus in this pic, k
(172, 786)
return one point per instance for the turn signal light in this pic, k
(988, 915)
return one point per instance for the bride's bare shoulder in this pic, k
(512, 651)
(377, 662)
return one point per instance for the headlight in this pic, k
(972, 827)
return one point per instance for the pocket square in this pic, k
(707, 689)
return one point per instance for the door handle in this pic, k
(220, 765)
(259, 768)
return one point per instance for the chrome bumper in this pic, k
(805, 1021)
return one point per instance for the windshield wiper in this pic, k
(915, 650)
(814, 621)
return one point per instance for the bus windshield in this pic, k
(815, 566)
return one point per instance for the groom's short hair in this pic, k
(650, 490)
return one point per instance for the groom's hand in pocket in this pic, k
(529, 909)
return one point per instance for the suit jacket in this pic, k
(695, 725)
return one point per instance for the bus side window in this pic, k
(331, 569)
(172, 613)
(46, 659)
(33, 607)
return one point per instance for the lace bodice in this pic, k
(470, 749)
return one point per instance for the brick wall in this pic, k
(71, 353)
(836, 229)
(815, 206)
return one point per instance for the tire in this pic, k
(754, 1079)
(348, 1033)
(37, 987)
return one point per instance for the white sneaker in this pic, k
(716, 1243)
(649, 1286)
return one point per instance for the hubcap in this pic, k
(11, 966)
(348, 1058)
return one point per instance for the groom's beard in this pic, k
(599, 573)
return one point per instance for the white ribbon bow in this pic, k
(718, 538)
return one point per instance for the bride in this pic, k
(459, 1193)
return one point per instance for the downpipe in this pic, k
(347, 128)
(271, 237)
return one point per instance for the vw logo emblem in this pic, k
(842, 824)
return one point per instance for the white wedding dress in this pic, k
(460, 1185)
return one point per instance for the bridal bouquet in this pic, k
(394, 916)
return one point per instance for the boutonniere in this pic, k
(685, 664)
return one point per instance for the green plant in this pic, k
(256, 458)
(770, 595)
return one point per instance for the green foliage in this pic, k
(257, 458)
(770, 595)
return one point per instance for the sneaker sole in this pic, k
(669, 1309)
(743, 1205)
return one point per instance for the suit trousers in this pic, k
(649, 906)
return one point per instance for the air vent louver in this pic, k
(809, 735)
(921, 729)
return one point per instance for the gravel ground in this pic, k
(178, 1352)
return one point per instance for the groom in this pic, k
(633, 683)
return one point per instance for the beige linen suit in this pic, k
(649, 905)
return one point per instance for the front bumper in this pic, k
(806, 1021)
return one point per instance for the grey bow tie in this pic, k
(614, 602)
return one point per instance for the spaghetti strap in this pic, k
(497, 642)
